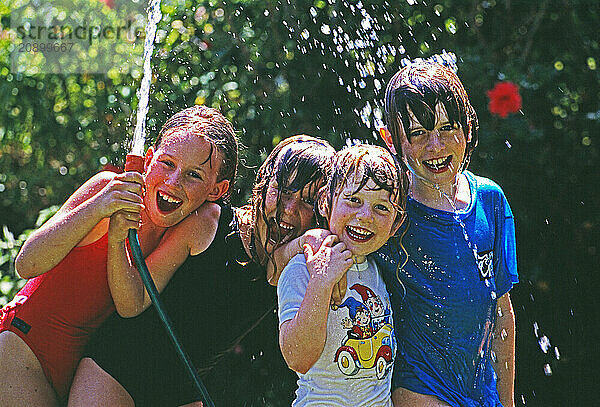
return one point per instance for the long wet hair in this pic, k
(214, 127)
(306, 163)
(421, 86)
(363, 162)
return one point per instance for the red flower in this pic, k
(504, 99)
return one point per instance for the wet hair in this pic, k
(359, 164)
(213, 126)
(421, 86)
(307, 162)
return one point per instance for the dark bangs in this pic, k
(422, 101)
(299, 168)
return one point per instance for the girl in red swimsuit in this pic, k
(44, 329)
(131, 362)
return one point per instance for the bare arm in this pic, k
(504, 347)
(283, 254)
(302, 338)
(314, 238)
(191, 236)
(98, 198)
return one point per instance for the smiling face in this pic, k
(375, 306)
(284, 192)
(433, 156)
(295, 216)
(363, 219)
(180, 175)
(362, 318)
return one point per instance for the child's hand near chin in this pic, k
(314, 238)
(330, 262)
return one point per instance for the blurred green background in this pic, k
(278, 68)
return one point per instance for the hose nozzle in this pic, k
(134, 162)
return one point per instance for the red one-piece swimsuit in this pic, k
(55, 313)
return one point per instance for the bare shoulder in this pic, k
(504, 300)
(208, 210)
(200, 227)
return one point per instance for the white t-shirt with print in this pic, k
(355, 368)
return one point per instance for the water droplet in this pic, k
(544, 343)
(493, 356)
(547, 370)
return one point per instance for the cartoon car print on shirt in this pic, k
(370, 341)
(376, 351)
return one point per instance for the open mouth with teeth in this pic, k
(281, 232)
(167, 203)
(438, 165)
(358, 234)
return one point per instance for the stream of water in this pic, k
(139, 136)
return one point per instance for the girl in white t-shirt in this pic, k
(343, 352)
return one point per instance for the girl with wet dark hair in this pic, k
(420, 87)
(449, 271)
(283, 197)
(215, 298)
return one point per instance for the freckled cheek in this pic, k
(154, 176)
(197, 192)
(413, 153)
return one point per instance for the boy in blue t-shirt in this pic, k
(450, 267)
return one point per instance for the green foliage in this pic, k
(10, 282)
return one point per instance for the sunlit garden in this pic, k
(280, 68)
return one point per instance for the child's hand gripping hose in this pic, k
(136, 163)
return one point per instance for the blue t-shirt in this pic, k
(445, 272)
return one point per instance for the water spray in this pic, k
(135, 162)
